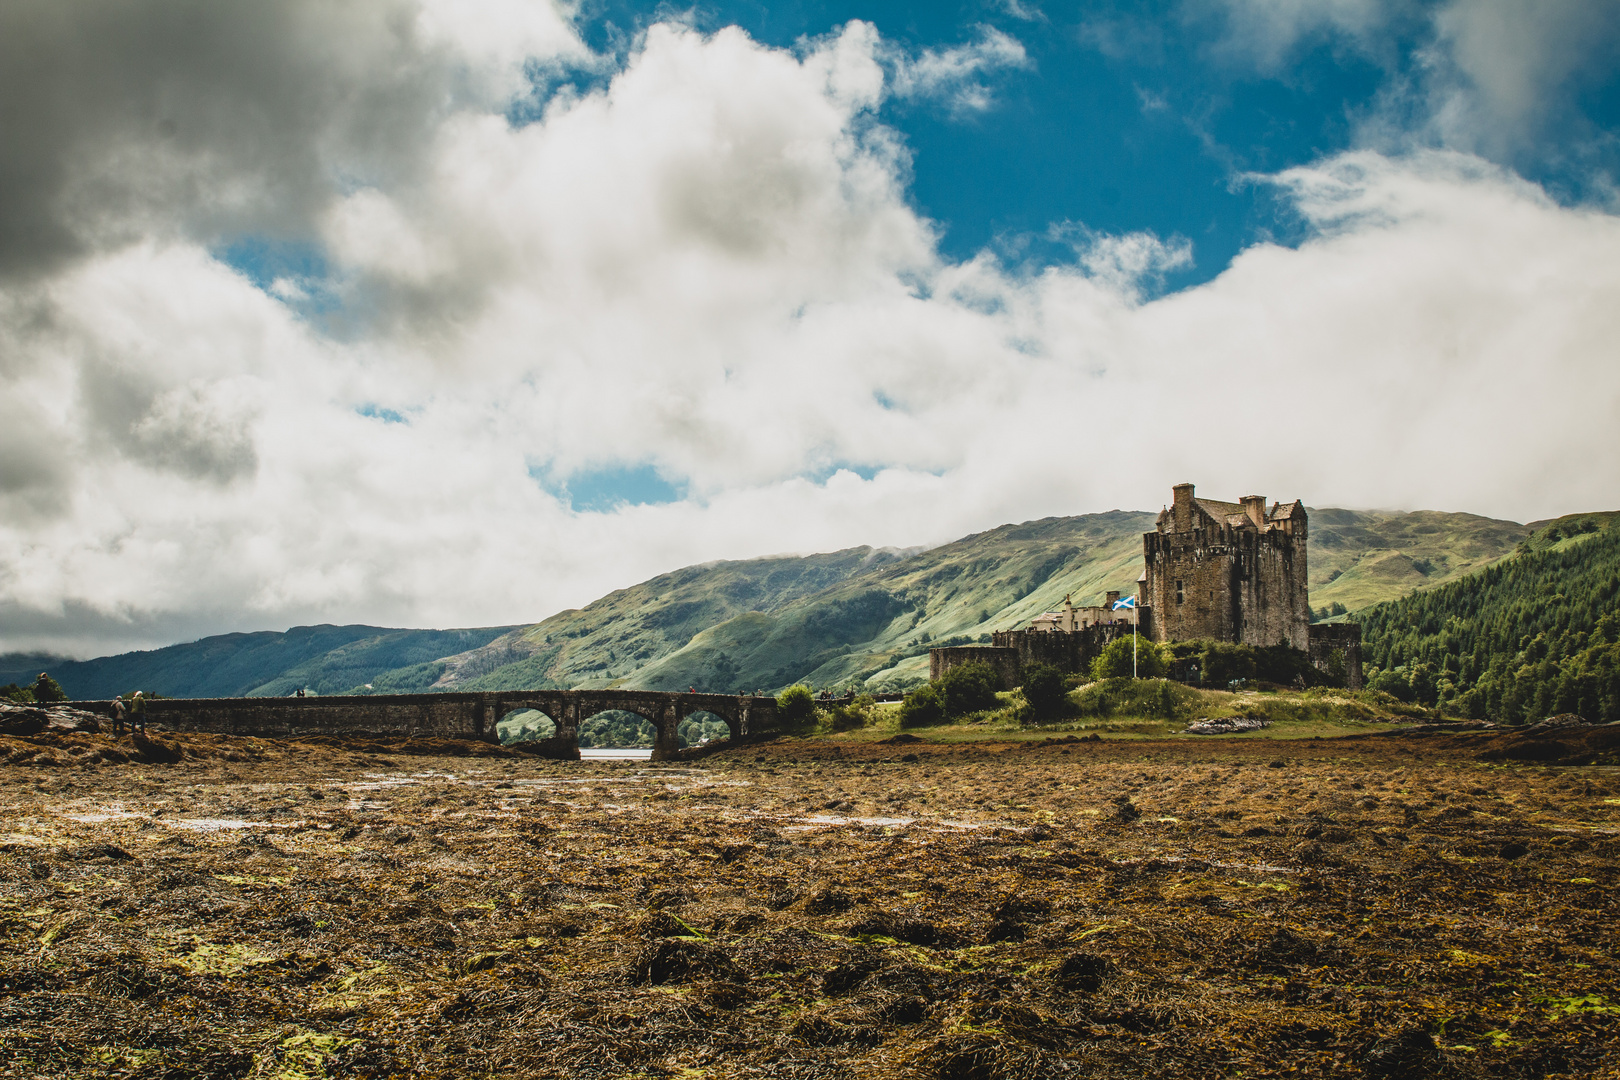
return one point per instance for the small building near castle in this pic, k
(1072, 618)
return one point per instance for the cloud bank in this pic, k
(707, 268)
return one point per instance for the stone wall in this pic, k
(1338, 640)
(1004, 660)
(419, 716)
(1014, 651)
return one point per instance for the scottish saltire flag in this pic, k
(1125, 603)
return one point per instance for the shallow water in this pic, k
(615, 753)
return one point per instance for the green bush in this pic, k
(45, 689)
(857, 714)
(922, 707)
(20, 695)
(969, 688)
(1115, 661)
(1124, 696)
(796, 707)
(1220, 663)
(1044, 692)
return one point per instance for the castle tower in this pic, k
(1228, 571)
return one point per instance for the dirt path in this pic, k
(1370, 907)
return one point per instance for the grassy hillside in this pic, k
(326, 659)
(607, 642)
(877, 627)
(1529, 637)
(1359, 558)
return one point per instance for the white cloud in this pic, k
(1265, 33)
(1499, 70)
(1498, 78)
(709, 265)
(955, 75)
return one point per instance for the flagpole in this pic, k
(1133, 642)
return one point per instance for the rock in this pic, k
(1554, 723)
(26, 720)
(1226, 725)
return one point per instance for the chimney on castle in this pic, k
(1255, 507)
(1183, 514)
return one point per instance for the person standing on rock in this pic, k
(137, 713)
(118, 716)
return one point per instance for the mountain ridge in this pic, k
(861, 615)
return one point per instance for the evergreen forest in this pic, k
(1532, 636)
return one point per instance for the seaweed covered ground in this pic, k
(1378, 906)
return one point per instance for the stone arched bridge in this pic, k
(457, 716)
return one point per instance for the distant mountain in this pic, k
(325, 659)
(861, 615)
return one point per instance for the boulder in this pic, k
(36, 719)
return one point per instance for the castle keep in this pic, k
(1228, 571)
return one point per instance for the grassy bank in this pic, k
(1150, 709)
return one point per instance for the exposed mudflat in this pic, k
(1381, 907)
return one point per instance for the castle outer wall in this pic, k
(1016, 651)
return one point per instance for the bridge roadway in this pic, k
(455, 716)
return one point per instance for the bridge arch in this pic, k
(703, 726)
(617, 728)
(525, 724)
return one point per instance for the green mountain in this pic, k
(874, 625)
(325, 659)
(1529, 637)
(1359, 558)
(862, 615)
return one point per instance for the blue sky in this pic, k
(436, 313)
(1150, 116)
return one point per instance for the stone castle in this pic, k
(1214, 570)
(1227, 571)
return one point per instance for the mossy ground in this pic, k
(1391, 905)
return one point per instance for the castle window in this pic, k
(1181, 594)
